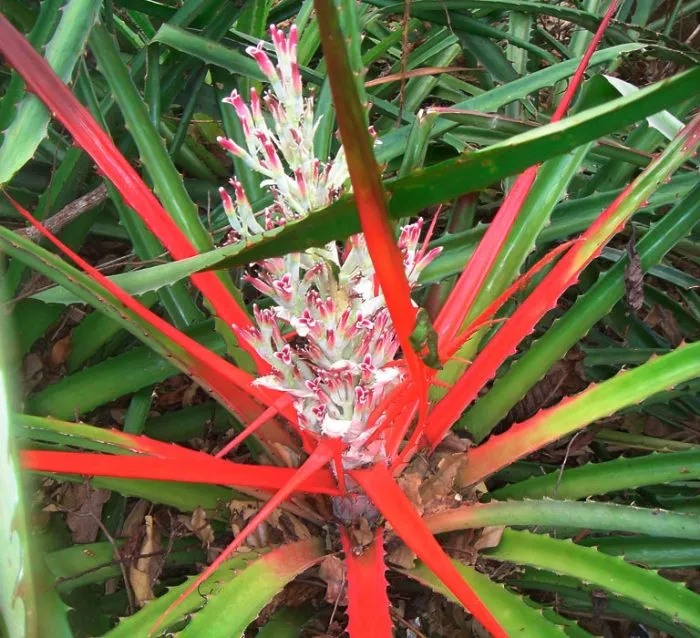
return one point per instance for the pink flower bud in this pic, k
(278, 40)
(227, 201)
(241, 197)
(301, 183)
(231, 146)
(293, 38)
(296, 78)
(263, 61)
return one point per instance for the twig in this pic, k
(69, 213)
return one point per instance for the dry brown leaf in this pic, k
(84, 505)
(199, 524)
(332, 570)
(144, 571)
(490, 537)
(134, 519)
(440, 485)
(299, 531)
(402, 556)
(60, 351)
(189, 395)
(361, 533)
(291, 457)
(634, 277)
(411, 483)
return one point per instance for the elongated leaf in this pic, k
(575, 596)
(232, 386)
(652, 552)
(367, 187)
(470, 172)
(325, 450)
(588, 515)
(251, 590)
(186, 466)
(388, 498)
(612, 574)
(258, 578)
(517, 617)
(589, 308)
(564, 274)
(17, 613)
(600, 478)
(29, 608)
(368, 603)
(87, 133)
(574, 413)
(664, 122)
(32, 118)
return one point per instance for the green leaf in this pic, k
(31, 121)
(587, 515)
(28, 607)
(517, 617)
(230, 599)
(665, 123)
(612, 574)
(611, 476)
(471, 172)
(652, 552)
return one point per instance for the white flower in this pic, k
(337, 364)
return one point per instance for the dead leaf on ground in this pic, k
(410, 483)
(402, 556)
(490, 537)
(61, 350)
(134, 519)
(438, 488)
(332, 571)
(198, 524)
(634, 277)
(297, 529)
(361, 534)
(33, 371)
(144, 571)
(664, 319)
(84, 505)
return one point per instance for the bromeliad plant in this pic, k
(331, 395)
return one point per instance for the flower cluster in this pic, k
(328, 337)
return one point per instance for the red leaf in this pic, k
(368, 603)
(319, 457)
(388, 497)
(42, 80)
(195, 467)
(369, 192)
